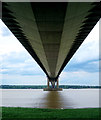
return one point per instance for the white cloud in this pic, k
(94, 63)
(20, 63)
(89, 50)
(79, 78)
(23, 80)
(0, 79)
(8, 43)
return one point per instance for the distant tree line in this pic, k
(44, 86)
(77, 86)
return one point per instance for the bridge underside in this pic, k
(51, 32)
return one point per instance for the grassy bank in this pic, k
(9, 113)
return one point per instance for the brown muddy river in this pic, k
(37, 98)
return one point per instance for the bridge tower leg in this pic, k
(57, 83)
(53, 88)
(47, 83)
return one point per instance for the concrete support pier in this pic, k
(53, 87)
(57, 83)
(47, 83)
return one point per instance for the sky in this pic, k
(17, 67)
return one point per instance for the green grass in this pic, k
(16, 113)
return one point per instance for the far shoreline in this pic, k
(44, 86)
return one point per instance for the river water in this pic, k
(37, 98)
